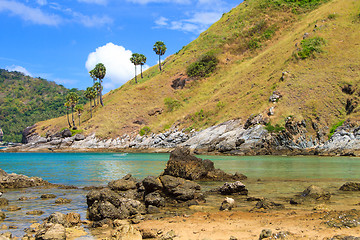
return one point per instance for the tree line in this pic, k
(95, 92)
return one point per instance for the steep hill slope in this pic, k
(25, 100)
(306, 51)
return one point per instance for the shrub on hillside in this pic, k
(144, 131)
(171, 104)
(204, 66)
(310, 46)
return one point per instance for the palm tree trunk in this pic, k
(141, 71)
(67, 115)
(135, 75)
(159, 62)
(101, 100)
(79, 118)
(72, 113)
(90, 108)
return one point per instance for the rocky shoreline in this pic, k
(233, 137)
(175, 206)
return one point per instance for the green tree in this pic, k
(73, 99)
(142, 61)
(90, 93)
(79, 109)
(99, 73)
(135, 59)
(160, 49)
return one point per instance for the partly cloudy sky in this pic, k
(63, 40)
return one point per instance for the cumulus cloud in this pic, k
(116, 59)
(18, 69)
(33, 15)
(41, 2)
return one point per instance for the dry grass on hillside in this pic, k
(246, 76)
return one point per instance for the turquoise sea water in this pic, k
(274, 177)
(85, 169)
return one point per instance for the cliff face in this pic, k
(280, 59)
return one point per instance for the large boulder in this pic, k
(51, 232)
(184, 165)
(180, 189)
(350, 186)
(315, 192)
(106, 203)
(124, 184)
(233, 188)
(14, 180)
(151, 184)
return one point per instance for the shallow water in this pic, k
(274, 177)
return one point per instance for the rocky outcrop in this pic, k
(14, 180)
(236, 188)
(350, 186)
(128, 197)
(183, 164)
(311, 193)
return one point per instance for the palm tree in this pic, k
(135, 60)
(73, 99)
(99, 73)
(98, 89)
(79, 108)
(67, 105)
(160, 49)
(90, 93)
(142, 61)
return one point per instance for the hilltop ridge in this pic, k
(260, 47)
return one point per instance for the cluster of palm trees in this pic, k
(98, 74)
(72, 100)
(139, 59)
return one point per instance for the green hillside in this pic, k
(306, 50)
(25, 100)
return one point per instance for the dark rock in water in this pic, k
(316, 193)
(4, 202)
(13, 208)
(267, 205)
(182, 164)
(180, 189)
(20, 181)
(350, 186)
(35, 212)
(47, 195)
(62, 201)
(233, 188)
(2, 216)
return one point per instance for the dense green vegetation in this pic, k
(204, 66)
(310, 46)
(25, 100)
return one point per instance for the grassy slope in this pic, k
(245, 78)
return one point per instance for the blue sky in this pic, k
(62, 40)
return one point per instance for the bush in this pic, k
(277, 128)
(310, 46)
(334, 127)
(144, 131)
(204, 66)
(254, 43)
(172, 104)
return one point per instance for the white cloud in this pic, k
(116, 59)
(91, 21)
(18, 69)
(33, 15)
(100, 2)
(162, 21)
